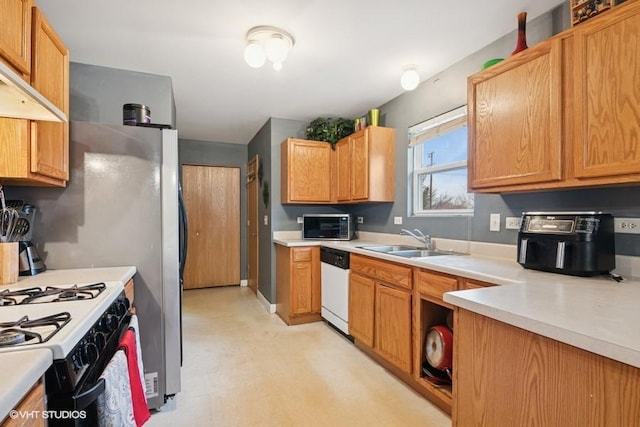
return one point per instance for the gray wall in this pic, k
(221, 154)
(97, 94)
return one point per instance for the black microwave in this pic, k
(328, 227)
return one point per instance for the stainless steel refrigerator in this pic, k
(121, 207)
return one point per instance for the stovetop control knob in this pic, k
(99, 339)
(89, 352)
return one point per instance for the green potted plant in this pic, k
(329, 130)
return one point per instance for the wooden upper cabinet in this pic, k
(366, 166)
(607, 97)
(515, 119)
(305, 171)
(34, 152)
(15, 34)
(50, 77)
(343, 170)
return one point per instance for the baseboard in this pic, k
(271, 308)
(244, 282)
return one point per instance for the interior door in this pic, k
(212, 201)
(252, 224)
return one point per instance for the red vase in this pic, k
(522, 33)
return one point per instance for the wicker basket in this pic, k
(582, 10)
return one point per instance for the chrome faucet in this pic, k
(419, 236)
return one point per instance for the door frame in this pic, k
(252, 178)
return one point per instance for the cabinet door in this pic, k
(301, 281)
(15, 34)
(50, 76)
(607, 98)
(359, 166)
(306, 173)
(343, 164)
(393, 326)
(361, 301)
(515, 117)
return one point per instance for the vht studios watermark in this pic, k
(50, 415)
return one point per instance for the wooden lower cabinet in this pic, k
(380, 309)
(393, 325)
(33, 401)
(506, 376)
(298, 284)
(361, 308)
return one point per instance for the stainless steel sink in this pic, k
(390, 248)
(419, 253)
(408, 251)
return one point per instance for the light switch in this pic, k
(299, 219)
(494, 222)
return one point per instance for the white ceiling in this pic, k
(347, 58)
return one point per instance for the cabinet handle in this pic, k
(524, 244)
(560, 254)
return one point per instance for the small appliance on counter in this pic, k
(574, 243)
(30, 262)
(328, 226)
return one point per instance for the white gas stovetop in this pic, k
(83, 314)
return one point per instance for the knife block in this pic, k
(8, 263)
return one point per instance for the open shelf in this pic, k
(431, 314)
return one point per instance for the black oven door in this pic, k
(77, 407)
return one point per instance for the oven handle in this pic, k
(82, 400)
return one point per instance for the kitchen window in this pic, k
(438, 165)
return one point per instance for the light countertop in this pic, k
(33, 363)
(79, 276)
(21, 370)
(596, 314)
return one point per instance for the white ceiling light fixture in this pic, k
(266, 42)
(410, 78)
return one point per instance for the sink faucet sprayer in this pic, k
(419, 236)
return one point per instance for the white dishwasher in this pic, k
(335, 287)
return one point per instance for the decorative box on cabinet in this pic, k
(305, 171)
(365, 163)
(298, 284)
(34, 152)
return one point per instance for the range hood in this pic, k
(19, 100)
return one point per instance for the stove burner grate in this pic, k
(58, 294)
(18, 332)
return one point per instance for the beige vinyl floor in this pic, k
(245, 367)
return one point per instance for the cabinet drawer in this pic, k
(435, 284)
(475, 284)
(301, 254)
(387, 272)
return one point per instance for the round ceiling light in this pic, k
(267, 42)
(410, 78)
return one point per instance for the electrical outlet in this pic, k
(360, 220)
(266, 220)
(512, 223)
(299, 219)
(494, 222)
(626, 225)
(397, 220)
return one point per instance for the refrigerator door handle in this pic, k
(185, 232)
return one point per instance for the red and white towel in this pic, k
(133, 324)
(115, 407)
(140, 409)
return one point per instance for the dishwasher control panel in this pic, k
(335, 257)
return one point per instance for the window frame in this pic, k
(419, 135)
